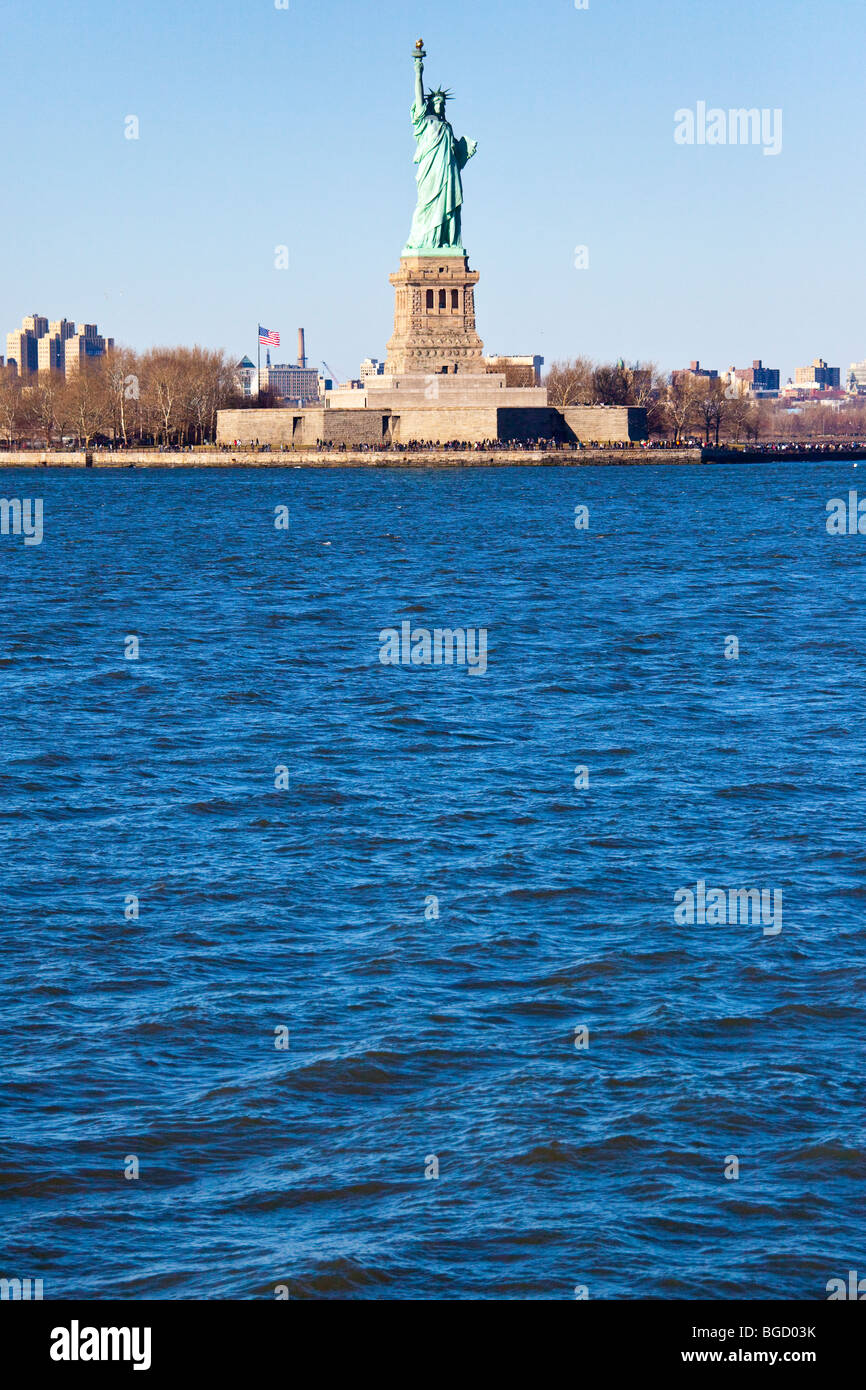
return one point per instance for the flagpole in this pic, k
(258, 362)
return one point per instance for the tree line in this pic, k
(165, 396)
(170, 396)
(688, 407)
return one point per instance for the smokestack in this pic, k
(302, 356)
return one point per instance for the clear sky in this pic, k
(261, 127)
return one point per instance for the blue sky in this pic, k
(262, 127)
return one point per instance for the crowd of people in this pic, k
(823, 446)
(324, 446)
(478, 446)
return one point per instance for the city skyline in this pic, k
(41, 345)
(179, 234)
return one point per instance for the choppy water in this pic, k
(413, 1036)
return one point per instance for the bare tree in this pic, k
(89, 400)
(680, 405)
(12, 414)
(612, 385)
(711, 405)
(181, 390)
(48, 405)
(647, 389)
(163, 382)
(123, 384)
(570, 382)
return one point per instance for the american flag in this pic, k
(269, 336)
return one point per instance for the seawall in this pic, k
(334, 458)
(427, 458)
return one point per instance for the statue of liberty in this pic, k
(440, 156)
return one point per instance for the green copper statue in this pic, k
(440, 157)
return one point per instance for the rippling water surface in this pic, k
(410, 1035)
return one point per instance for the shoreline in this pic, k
(428, 458)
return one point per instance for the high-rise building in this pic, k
(756, 380)
(42, 346)
(371, 366)
(35, 324)
(22, 345)
(22, 351)
(83, 345)
(63, 328)
(696, 371)
(51, 358)
(818, 375)
(52, 345)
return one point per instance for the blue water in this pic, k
(413, 1036)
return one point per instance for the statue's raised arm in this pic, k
(436, 226)
(420, 55)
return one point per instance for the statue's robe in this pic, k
(440, 158)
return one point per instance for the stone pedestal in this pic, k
(434, 318)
